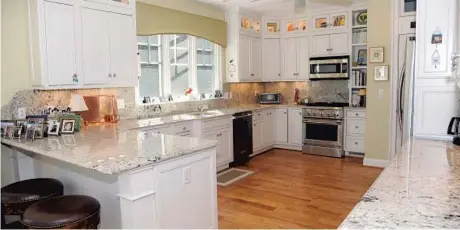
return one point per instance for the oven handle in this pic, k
(319, 121)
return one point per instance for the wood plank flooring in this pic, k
(292, 190)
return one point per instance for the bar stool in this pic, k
(67, 212)
(17, 197)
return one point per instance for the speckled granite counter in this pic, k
(110, 151)
(420, 189)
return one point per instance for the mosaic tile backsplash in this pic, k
(242, 94)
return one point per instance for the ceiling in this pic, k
(281, 7)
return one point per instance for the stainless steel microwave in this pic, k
(270, 98)
(329, 68)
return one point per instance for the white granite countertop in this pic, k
(169, 119)
(108, 150)
(420, 189)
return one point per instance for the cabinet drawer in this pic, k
(356, 126)
(216, 123)
(355, 144)
(355, 114)
(182, 128)
(257, 115)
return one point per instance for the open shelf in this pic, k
(359, 26)
(359, 87)
(359, 67)
(359, 44)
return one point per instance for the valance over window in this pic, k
(153, 19)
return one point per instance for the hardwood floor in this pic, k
(292, 190)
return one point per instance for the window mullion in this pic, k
(166, 76)
(192, 64)
(217, 68)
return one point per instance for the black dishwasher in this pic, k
(242, 138)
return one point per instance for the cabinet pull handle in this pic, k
(114, 75)
(184, 128)
(356, 143)
(356, 127)
(284, 112)
(357, 114)
(110, 75)
(300, 113)
(279, 75)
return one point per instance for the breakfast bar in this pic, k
(142, 180)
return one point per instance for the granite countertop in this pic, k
(419, 189)
(169, 119)
(108, 150)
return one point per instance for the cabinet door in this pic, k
(268, 129)
(244, 57)
(321, 22)
(61, 59)
(281, 126)
(320, 45)
(289, 26)
(295, 127)
(290, 58)
(302, 25)
(303, 58)
(224, 150)
(339, 43)
(272, 27)
(123, 49)
(272, 60)
(256, 59)
(257, 135)
(96, 47)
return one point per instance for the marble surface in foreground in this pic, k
(110, 151)
(420, 189)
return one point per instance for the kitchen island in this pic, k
(142, 180)
(419, 189)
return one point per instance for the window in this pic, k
(172, 63)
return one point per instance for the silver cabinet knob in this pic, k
(114, 75)
(357, 114)
(356, 143)
(285, 113)
(110, 75)
(356, 127)
(279, 75)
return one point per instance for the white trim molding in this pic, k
(375, 162)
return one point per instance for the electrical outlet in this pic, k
(187, 171)
(121, 103)
(22, 113)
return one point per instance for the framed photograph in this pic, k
(69, 140)
(362, 57)
(23, 125)
(68, 126)
(376, 55)
(381, 73)
(30, 132)
(4, 125)
(9, 132)
(38, 130)
(53, 127)
(77, 119)
(17, 133)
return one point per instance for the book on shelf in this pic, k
(359, 78)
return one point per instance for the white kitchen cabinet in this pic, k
(109, 56)
(281, 126)
(268, 128)
(295, 127)
(436, 17)
(250, 59)
(271, 59)
(330, 44)
(256, 59)
(296, 58)
(224, 138)
(82, 44)
(271, 27)
(116, 3)
(327, 22)
(257, 135)
(295, 26)
(60, 59)
(354, 131)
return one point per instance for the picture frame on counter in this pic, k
(77, 119)
(53, 127)
(376, 55)
(381, 73)
(4, 127)
(68, 126)
(30, 132)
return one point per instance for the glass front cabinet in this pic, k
(249, 24)
(298, 25)
(332, 21)
(272, 27)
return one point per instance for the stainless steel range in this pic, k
(323, 129)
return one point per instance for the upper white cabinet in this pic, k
(60, 56)
(295, 26)
(436, 37)
(330, 44)
(271, 59)
(272, 27)
(296, 58)
(244, 46)
(82, 44)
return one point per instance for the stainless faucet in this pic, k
(203, 107)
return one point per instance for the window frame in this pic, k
(165, 70)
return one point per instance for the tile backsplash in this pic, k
(242, 94)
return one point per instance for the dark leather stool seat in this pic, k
(70, 212)
(17, 197)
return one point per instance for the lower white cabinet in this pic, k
(268, 130)
(355, 126)
(281, 126)
(257, 135)
(224, 146)
(295, 127)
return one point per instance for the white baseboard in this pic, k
(375, 162)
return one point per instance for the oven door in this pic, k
(323, 132)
